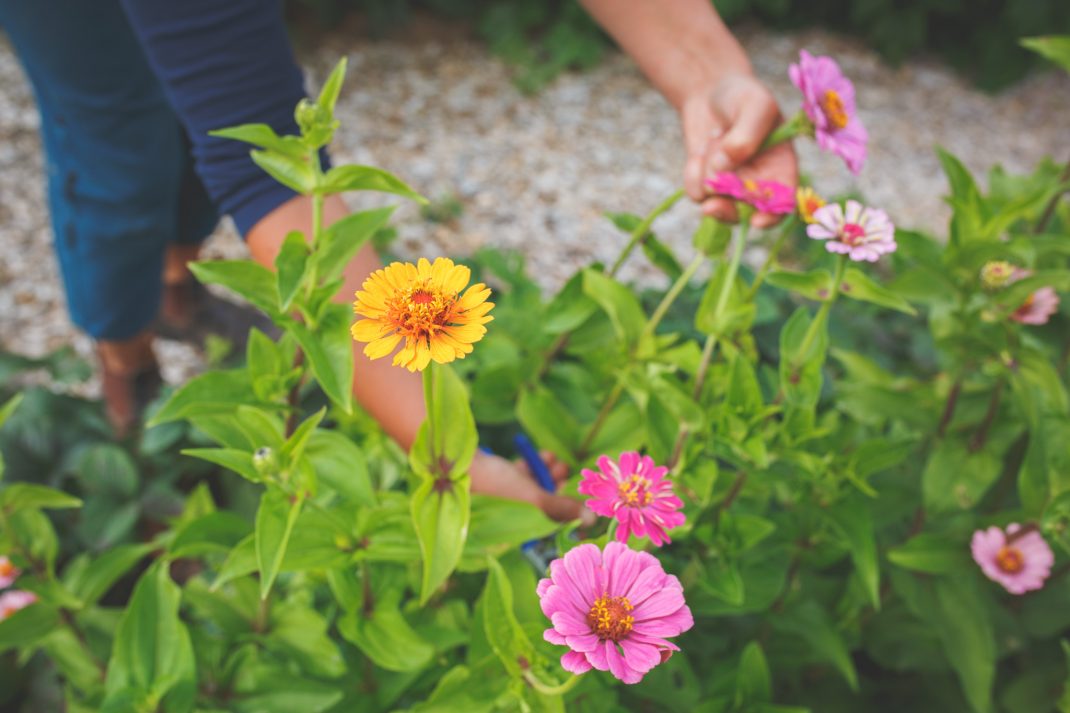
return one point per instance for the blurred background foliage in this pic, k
(542, 38)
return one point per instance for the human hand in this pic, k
(723, 128)
(496, 476)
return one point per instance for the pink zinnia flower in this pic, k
(1018, 560)
(766, 196)
(829, 103)
(613, 609)
(13, 600)
(637, 493)
(862, 234)
(8, 573)
(1039, 306)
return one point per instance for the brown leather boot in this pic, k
(130, 380)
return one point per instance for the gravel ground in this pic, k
(536, 173)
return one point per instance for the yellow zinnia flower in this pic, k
(423, 304)
(808, 202)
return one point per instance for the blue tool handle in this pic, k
(536, 464)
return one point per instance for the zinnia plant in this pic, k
(829, 104)
(424, 305)
(635, 492)
(1018, 558)
(808, 202)
(861, 233)
(764, 196)
(13, 600)
(8, 573)
(615, 610)
(1038, 307)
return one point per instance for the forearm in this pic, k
(393, 396)
(682, 46)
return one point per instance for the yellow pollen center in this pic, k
(1010, 560)
(832, 107)
(420, 311)
(635, 491)
(609, 617)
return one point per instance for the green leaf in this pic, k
(27, 626)
(498, 524)
(328, 95)
(1053, 47)
(853, 521)
(447, 440)
(724, 581)
(814, 285)
(252, 281)
(329, 351)
(9, 408)
(957, 477)
(504, 634)
(241, 462)
(341, 466)
(214, 392)
(618, 302)
(712, 237)
(152, 651)
(548, 422)
(966, 629)
(263, 136)
(929, 553)
(24, 496)
(109, 470)
(801, 363)
(215, 532)
(366, 178)
(737, 314)
(569, 308)
(293, 172)
(386, 638)
(275, 520)
(810, 622)
(858, 286)
(344, 238)
(441, 511)
(266, 688)
(93, 580)
(753, 682)
(290, 266)
(294, 447)
(302, 633)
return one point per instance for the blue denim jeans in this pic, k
(121, 184)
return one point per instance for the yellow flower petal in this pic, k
(381, 347)
(367, 330)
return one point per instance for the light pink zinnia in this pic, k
(1039, 306)
(636, 493)
(766, 196)
(1020, 562)
(829, 103)
(614, 610)
(8, 572)
(862, 234)
(13, 600)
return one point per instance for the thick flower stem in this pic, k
(648, 332)
(428, 377)
(797, 125)
(641, 230)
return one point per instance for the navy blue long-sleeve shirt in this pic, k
(223, 63)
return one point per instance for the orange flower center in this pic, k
(1010, 560)
(832, 107)
(635, 491)
(420, 310)
(422, 297)
(6, 569)
(609, 617)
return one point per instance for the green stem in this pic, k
(670, 297)
(545, 690)
(600, 419)
(428, 375)
(770, 259)
(1049, 209)
(798, 125)
(641, 230)
(822, 314)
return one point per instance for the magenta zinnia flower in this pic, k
(8, 573)
(1019, 560)
(829, 103)
(1039, 306)
(862, 234)
(636, 493)
(13, 600)
(614, 610)
(766, 196)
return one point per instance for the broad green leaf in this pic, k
(712, 237)
(618, 302)
(801, 360)
(441, 511)
(569, 308)
(252, 281)
(275, 520)
(957, 477)
(966, 629)
(366, 178)
(24, 496)
(966, 201)
(498, 524)
(152, 649)
(108, 470)
(241, 462)
(268, 688)
(753, 682)
(723, 581)
(215, 532)
(855, 525)
(462, 690)
(341, 466)
(548, 422)
(1053, 47)
(814, 285)
(504, 634)
(93, 579)
(302, 633)
(263, 136)
(858, 286)
(290, 266)
(930, 553)
(76, 665)
(211, 393)
(328, 95)
(810, 622)
(27, 626)
(293, 172)
(447, 440)
(744, 395)
(9, 408)
(344, 239)
(386, 638)
(737, 313)
(329, 351)
(294, 447)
